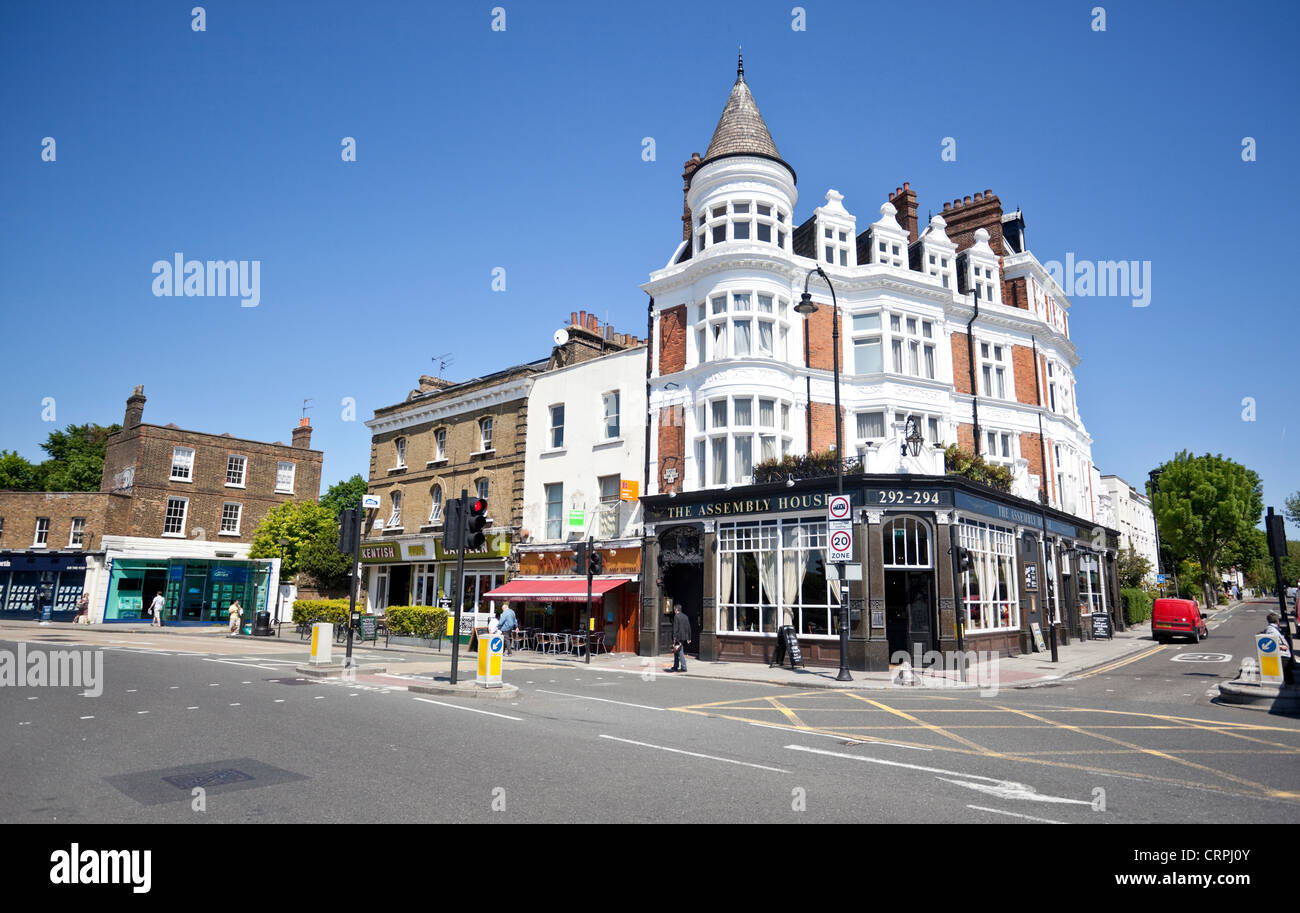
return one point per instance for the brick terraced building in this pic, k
(176, 513)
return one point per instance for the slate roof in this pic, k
(741, 129)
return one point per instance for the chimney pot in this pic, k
(967, 200)
(988, 193)
(947, 206)
(907, 186)
(302, 434)
(573, 318)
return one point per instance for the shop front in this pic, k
(30, 582)
(744, 565)
(197, 591)
(548, 597)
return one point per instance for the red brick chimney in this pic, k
(904, 200)
(302, 434)
(134, 408)
(687, 170)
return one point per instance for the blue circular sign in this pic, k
(1267, 645)
(496, 644)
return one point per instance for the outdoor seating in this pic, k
(596, 643)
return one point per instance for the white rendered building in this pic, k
(1130, 513)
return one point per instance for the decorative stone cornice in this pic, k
(441, 409)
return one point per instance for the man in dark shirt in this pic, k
(681, 637)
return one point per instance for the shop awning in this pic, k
(540, 589)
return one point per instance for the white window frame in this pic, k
(994, 377)
(239, 518)
(182, 462)
(554, 524)
(439, 445)
(833, 244)
(610, 488)
(281, 487)
(435, 504)
(77, 535)
(167, 511)
(993, 556)
(728, 214)
(612, 397)
(742, 444)
(556, 429)
(395, 515)
(41, 538)
(233, 459)
(399, 444)
(485, 434)
(721, 318)
(481, 487)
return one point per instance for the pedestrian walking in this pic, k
(681, 637)
(83, 611)
(236, 616)
(156, 609)
(509, 623)
(43, 597)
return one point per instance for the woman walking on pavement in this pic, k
(236, 615)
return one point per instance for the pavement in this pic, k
(1080, 658)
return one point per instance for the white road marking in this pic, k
(231, 662)
(693, 754)
(172, 687)
(1009, 790)
(998, 811)
(246, 683)
(603, 700)
(138, 712)
(191, 708)
(213, 684)
(33, 699)
(320, 697)
(28, 723)
(132, 690)
(234, 705)
(279, 700)
(517, 719)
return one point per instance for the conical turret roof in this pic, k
(741, 130)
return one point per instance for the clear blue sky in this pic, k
(522, 149)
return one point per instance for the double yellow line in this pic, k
(1123, 662)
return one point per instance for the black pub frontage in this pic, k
(745, 562)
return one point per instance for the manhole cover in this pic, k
(175, 784)
(208, 778)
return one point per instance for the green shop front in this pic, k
(198, 591)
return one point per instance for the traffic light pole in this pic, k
(358, 513)
(586, 625)
(458, 585)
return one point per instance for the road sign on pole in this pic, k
(838, 509)
(841, 541)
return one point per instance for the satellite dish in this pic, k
(561, 337)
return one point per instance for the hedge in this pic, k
(310, 611)
(1137, 605)
(424, 621)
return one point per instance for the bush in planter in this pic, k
(957, 461)
(428, 622)
(1137, 605)
(310, 611)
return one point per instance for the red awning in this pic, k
(540, 589)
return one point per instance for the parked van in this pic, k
(1178, 616)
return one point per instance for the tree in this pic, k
(1292, 507)
(301, 523)
(76, 460)
(17, 473)
(1132, 568)
(344, 495)
(1206, 507)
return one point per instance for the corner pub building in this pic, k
(953, 335)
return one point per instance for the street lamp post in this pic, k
(807, 308)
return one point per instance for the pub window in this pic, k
(990, 596)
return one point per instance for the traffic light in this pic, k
(579, 558)
(595, 563)
(349, 529)
(452, 524)
(963, 560)
(474, 520)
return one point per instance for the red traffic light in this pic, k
(477, 506)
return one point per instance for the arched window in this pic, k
(401, 452)
(907, 543)
(435, 512)
(481, 488)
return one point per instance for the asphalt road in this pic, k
(1137, 743)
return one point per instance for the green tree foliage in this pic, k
(301, 523)
(1132, 568)
(17, 473)
(1206, 507)
(344, 495)
(1292, 507)
(76, 462)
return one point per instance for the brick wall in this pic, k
(1030, 450)
(19, 510)
(207, 491)
(963, 217)
(904, 200)
(672, 340)
(821, 350)
(464, 464)
(1022, 369)
(823, 427)
(672, 446)
(966, 437)
(960, 362)
(1015, 293)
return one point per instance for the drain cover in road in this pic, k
(174, 784)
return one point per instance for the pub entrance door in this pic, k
(909, 585)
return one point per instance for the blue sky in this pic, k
(522, 148)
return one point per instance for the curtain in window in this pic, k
(794, 564)
(743, 332)
(765, 337)
(726, 579)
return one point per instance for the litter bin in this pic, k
(262, 624)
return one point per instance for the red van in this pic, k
(1178, 616)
